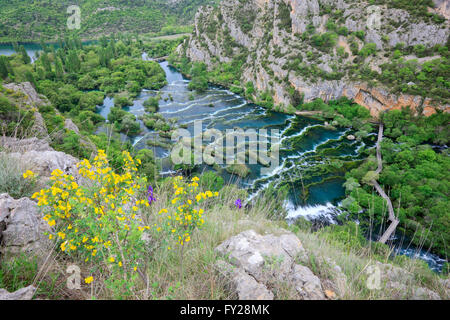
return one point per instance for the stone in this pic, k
(254, 261)
(31, 96)
(12, 144)
(250, 251)
(306, 283)
(245, 286)
(351, 137)
(330, 294)
(22, 228)
(45, 162)
(69, 125)
(21, 294)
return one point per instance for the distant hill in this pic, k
(33, 20)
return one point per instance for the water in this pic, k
(305, 142)
(32, 49)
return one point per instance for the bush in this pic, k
(99, 223)
(209, 180)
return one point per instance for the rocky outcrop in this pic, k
(21, 294)
(11, 144)
(22, 228)
(272, 47)
(34, 100)
(44, 163)
(399, 281)
(252, 262)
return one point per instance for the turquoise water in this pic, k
(305, 142)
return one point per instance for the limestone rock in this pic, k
(22, 227)
(306, 283)
(69, 125)
(246, 287)
(267, 259)
(21, 294)
(44, 162)
(24, 145)
(32, 97)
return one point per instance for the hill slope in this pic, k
(382, 54)
(25, 20)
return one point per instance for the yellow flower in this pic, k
(89, 280)
(111, 259)
(28, 174)
(120, 263)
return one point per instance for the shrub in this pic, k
(100, 223)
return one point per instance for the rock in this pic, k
(306, 283)
(22, 227)
(44, 162)
(31, 96)
(21, 294)
(425, 294)
(330, 294)
(267, 259)
(24, 145)
(69, 125)
(351, 137)
(246, 287)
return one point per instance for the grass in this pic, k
(11, 179)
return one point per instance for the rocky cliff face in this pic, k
(278, 35)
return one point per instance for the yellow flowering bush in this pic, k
(99, 221)
(179, 224)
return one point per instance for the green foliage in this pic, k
(23, 21)
(210, 180)
(346, 236)
(124, 121)
(414, 175)
(284, 15)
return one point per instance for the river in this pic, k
(313, 156)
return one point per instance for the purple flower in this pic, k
(150, 195)
(238, 203)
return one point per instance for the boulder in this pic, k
(260, 260)
(21, 294)
(22, 228)
(44, 163)
(12, 144)
(246, 287)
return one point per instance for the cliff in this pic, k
(328, 49)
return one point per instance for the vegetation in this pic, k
(22, 21)
(414, 175)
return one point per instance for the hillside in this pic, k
(47, 20)
(382, 54)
